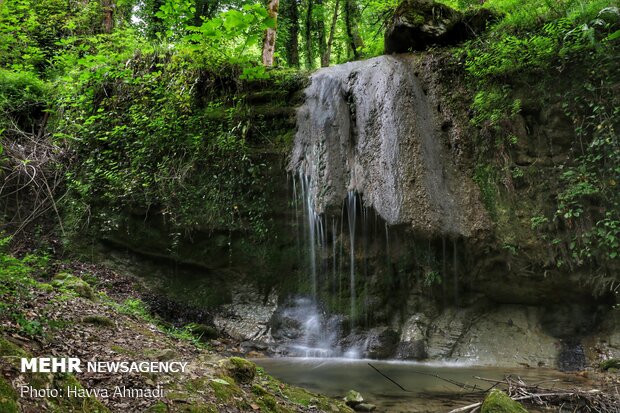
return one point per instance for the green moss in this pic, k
(498, 402)
(241, 370)
(66, 281)
(200, 408)
(8, 397)
(9, 349)
(98, 320)
(48, 288)
(224, 388)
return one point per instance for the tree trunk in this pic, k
(320, 29)
(269, 43)
(290, 12)
(108, 15)
(206, 9)
(309, 52)
(325, 58)
(352, 17)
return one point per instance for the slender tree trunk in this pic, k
(309, 20)
(290, 13)
(325, 58)
(352, 17)
(269, 42)
(108, 15)
(320, 29)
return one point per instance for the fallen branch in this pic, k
(387, 377)
(570, 399)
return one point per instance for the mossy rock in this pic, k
(610, 364)
(8, 397)
(240, 369)
(98, 320)
(267, 404)
(498, 402)
(68, 281)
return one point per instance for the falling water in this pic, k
(444, 272)
(352, 215)
(312, 218)
(456, 274)
(334, 263)
(387, 246)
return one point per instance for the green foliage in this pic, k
(30, 29)
(137, 308)
(532, 41)
(23, 97)
(589, 203)
(16, 287)
(485, 177)
(235, 37)
(144, 140)
(432, 278)
(520, 45)
(14, 278)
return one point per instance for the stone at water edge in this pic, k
(498, 402)
(353, 398)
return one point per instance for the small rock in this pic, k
(364, 407)
(353, 398)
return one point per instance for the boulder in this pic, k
(381, 343)
(412, 350)
(412, 344)
(418, 24)
(498, 402)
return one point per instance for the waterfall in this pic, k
(370, 141)
(352, 216)
(372, 127)
(311, 227)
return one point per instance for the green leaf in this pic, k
(615, 35)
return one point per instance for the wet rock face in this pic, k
(372, 127)
(418, 24)
(247, 317)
